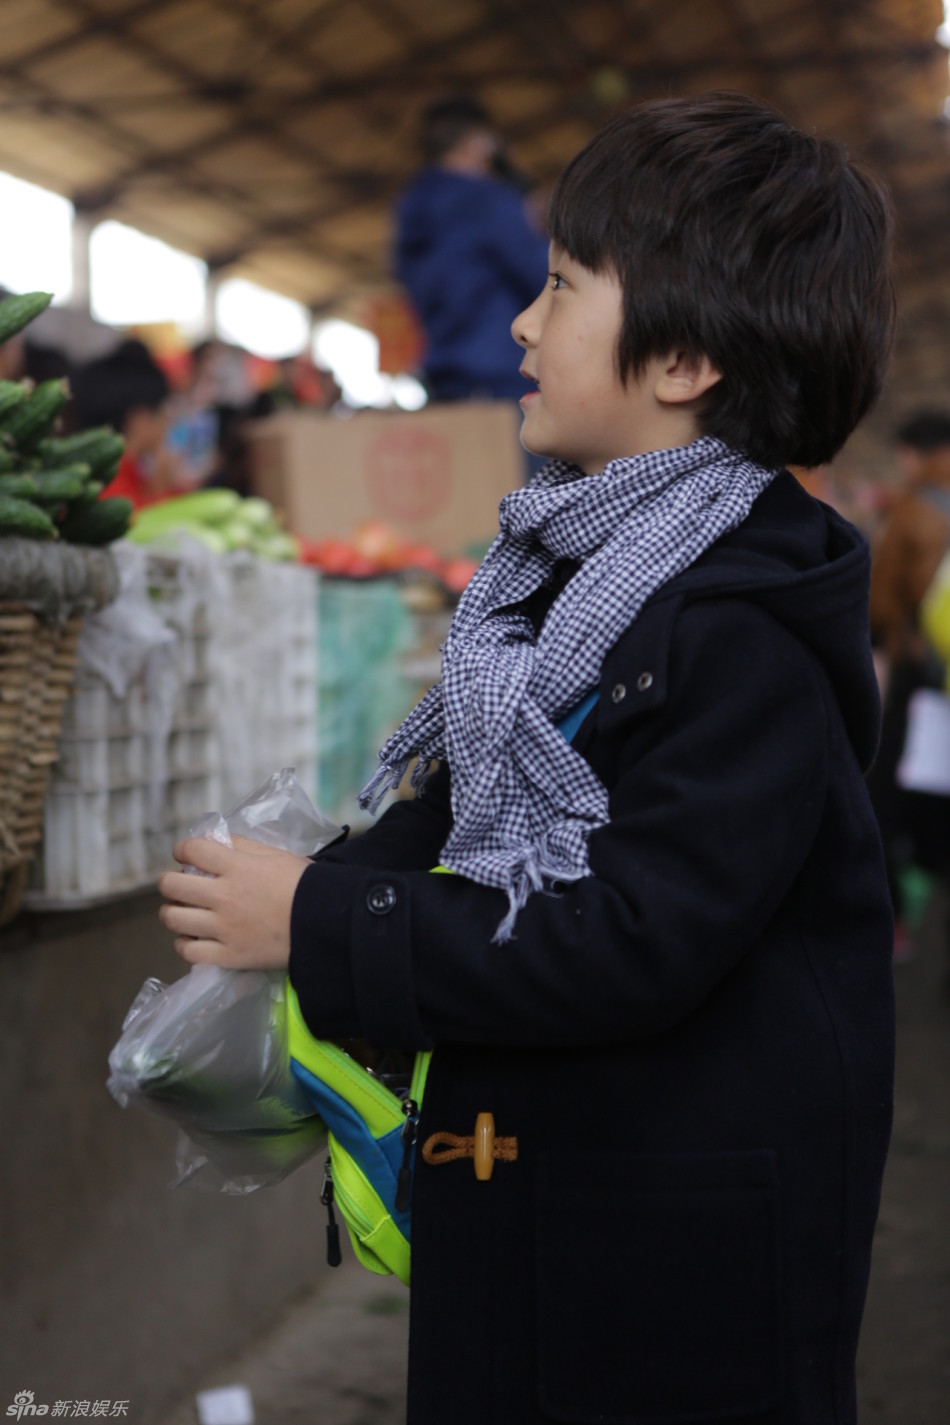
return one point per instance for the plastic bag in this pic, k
(211, 1050)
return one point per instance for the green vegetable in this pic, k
(236, 534)
(8, 460)
(99, 523)
(200, 508)
(34, 416)
(18, 312)
(90, 494)
(12, 394)
(107, 472)
(56, 486)
(100, 448)
(21, 517)
(19, 483)
(277, 547)
(256, 513)
(166, 538)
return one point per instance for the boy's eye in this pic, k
(557, 281)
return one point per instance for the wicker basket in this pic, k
(37, 669)
(45, 591)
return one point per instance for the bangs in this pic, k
(583, 217)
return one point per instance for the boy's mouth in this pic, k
(529, 395)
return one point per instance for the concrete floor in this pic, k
(338, 1357)
(904, 1361)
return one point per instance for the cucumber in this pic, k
(18, 312)
(97, 524)
(90, 494)
(18, 483)
(34, 416)
(100, 448)
(54, 487)
(12, 393)
(107, 472)
(24, 518)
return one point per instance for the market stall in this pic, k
(145, 681)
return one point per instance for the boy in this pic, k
(664, 965)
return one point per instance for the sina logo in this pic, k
(23, 1405)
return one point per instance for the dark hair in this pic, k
(446, 121)
(111, 387)
(924, 431)
(740, 238)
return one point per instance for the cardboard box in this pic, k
(434, 475)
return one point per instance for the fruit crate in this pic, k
(231, 699)
(262, 661)
(123, 791)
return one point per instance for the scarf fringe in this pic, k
(389, 779)
(527, 875)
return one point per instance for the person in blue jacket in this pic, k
(664, 962)
(469, 253)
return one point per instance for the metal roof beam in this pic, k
(98, 23)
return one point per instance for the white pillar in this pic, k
(212, 283)
(83, 224)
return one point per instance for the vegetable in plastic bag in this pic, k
(211, 1050)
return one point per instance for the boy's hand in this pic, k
(239, 917)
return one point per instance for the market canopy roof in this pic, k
(270, 137)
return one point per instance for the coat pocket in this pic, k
(658, 1287)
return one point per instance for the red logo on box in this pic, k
(408, 474)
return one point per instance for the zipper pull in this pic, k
(334, 1256)
(404, 1181)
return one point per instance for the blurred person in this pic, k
(470, 254)
(912, 542)
(128, 390)
(234, 469)
(301, 383)
(663, 961)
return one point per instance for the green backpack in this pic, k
(371, 1134)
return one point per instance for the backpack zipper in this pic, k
(404, 1180)
(334, 1255)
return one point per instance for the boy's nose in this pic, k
(524, 326)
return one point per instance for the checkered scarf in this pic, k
(524, 803)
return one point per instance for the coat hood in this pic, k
(810, 569)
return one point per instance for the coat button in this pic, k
(618, 693)
(381, 900)
(644, 681)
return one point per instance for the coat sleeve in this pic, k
(407, 837)
(717, 801)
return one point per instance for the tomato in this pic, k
(456, 574)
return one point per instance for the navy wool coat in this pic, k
(693, 1046)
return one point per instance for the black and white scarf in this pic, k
(524, 803)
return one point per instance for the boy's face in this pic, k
(581, 411)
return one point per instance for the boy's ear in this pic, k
(683, 377)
